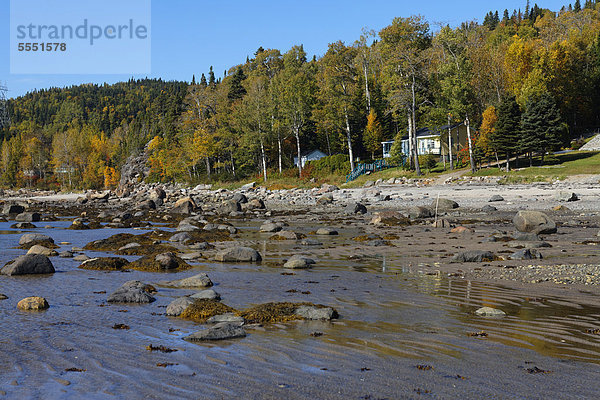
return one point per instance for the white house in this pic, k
(312, 155)
(430, 141)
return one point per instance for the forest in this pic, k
(528, 82)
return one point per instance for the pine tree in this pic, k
(506, 16)
(508, 128)
(577, 6)
(211, 77)
(542, 125)
(193, 79)
(236, 89)
(203, 81)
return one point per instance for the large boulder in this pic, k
(37, 249)
(177, 306)
(28, 217)
(197, 281)
(238, 254)
(419, 212)
(132, 292)
(534, 221)
(312, 312)
(184, 206)
(356, 208)
(298, 262)
(474, 256)
(34, 238)
(28, 264)
(389, 218)
(12, 209)
(229, 206)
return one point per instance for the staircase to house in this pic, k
(361, 169)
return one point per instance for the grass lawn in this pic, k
(557, 166)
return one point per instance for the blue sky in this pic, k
(190, 36)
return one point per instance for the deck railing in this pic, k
(361, 169)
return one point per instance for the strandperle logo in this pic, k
(80, 37)
(85, 31)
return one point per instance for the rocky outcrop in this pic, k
(28, 264)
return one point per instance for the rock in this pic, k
(34, 238)
(80, 257)
(104, 263)
(3, 296)
(326, 188)
(207, 294)
(444, 204)
(33, 304)
(238, 254)
(37, 249)
(561, 208)
(240, 198)
(200, 280)
(441, 223)
(271, 227)
(128, 246)
(78, 224)
(157, 193)
(181, 237)
(132, 292)
(147, 205)
(28, 217)
(496, 197)
(257, 204)
(526, 254)
(566, 196)
(285, 235)
(229, 206)
(326, 231)
(248, 186)
(99, 196)
(389, 218)
(474, 256)
(12, 209)
(488, 209)
(369, 184)
(419, 212)
(312, 242)
(23, 225)
(311, 312)
(220, 331)
(461, 229)
(196, 255)
(184, 206)
(356, 208)
(489, 312)
(65, 254)
(534, 221)
(325, 199)
(177, 306)
(166, 260)
(298, 262)
(28, 264)
(227, 317)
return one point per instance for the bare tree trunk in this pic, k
(297, 134)
(264, 159)
(410, 142)
(450, 143)
(367, 93)
(232, 162)
(497, 160)
(207, 166)
(349, 138)
(507, 161)
(470, 145)
(279, 153)
(328, 144)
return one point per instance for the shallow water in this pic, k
(392, 320)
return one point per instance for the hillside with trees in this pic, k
(529, 80)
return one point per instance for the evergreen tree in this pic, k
(193, 79)
(236, 89)
(508, 128)
(506, 16)
(203, 81)
(211, 77)
(577, 6)
(542, 126)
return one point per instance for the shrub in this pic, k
(428, 161)
(337, 164)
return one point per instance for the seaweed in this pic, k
(202, 309)
(104, 264)
(149, 263)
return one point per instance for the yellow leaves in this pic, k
(155, 143)
(488, 127)
(111, 177)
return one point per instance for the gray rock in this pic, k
(220, 331)
(526, 254)
(356, 208)
(270, 227)
(177, 306)
(184, 206)
(489, 312)
(488, 209)
(526, 237)
(207, 294)
(33, 238)
(81, 257)
(240, 198)
(28, 264)
(310, 242)
(474, 256)
(181, 237)
(311, 312)
(12, 209)
(285, 235)
(441, 223)
(534, 221)
(229, 206)
(419, 212)
(238, 254)
(23, 225)
(28, 217)
(37, 249)
(248, 186)
(566, 196)
(197, 281)
(444, 204)
(496, 197)
(128, 246)
(227, 317)
(255, 204)
(132, 292)
(326, 231)
(166, 260)
(325, 199)
(3, 296)
(298, 262)
(65, 254)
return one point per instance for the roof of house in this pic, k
(424, 132)
(312, 152)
